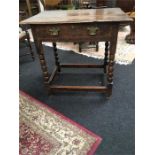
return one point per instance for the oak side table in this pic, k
(85, 25)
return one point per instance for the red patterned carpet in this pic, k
(44, 131)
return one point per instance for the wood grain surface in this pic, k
(78, 16)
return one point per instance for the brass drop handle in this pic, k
(92, 30)
(54, 31)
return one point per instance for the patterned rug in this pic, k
(44, 131)
(125, 53)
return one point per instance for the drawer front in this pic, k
(74, 32)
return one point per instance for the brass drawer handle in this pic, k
(54, 31)
(92, 30)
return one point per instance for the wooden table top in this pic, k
(78, 16)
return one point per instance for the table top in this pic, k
(78, 16)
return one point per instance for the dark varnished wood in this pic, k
(81, 66)
(78, 16)
(113, 43)
(53, 75)
(42, 62)
(29, 44)
(79, 31)
(101, 89)
(78, 26)
(106, 56)
(56, 56)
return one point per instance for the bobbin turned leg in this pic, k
(106, 56)
(113, 43)
(42, 60)
(57, 63)
(29, 44)
(110, 73)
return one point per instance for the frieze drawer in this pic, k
(95, 31)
